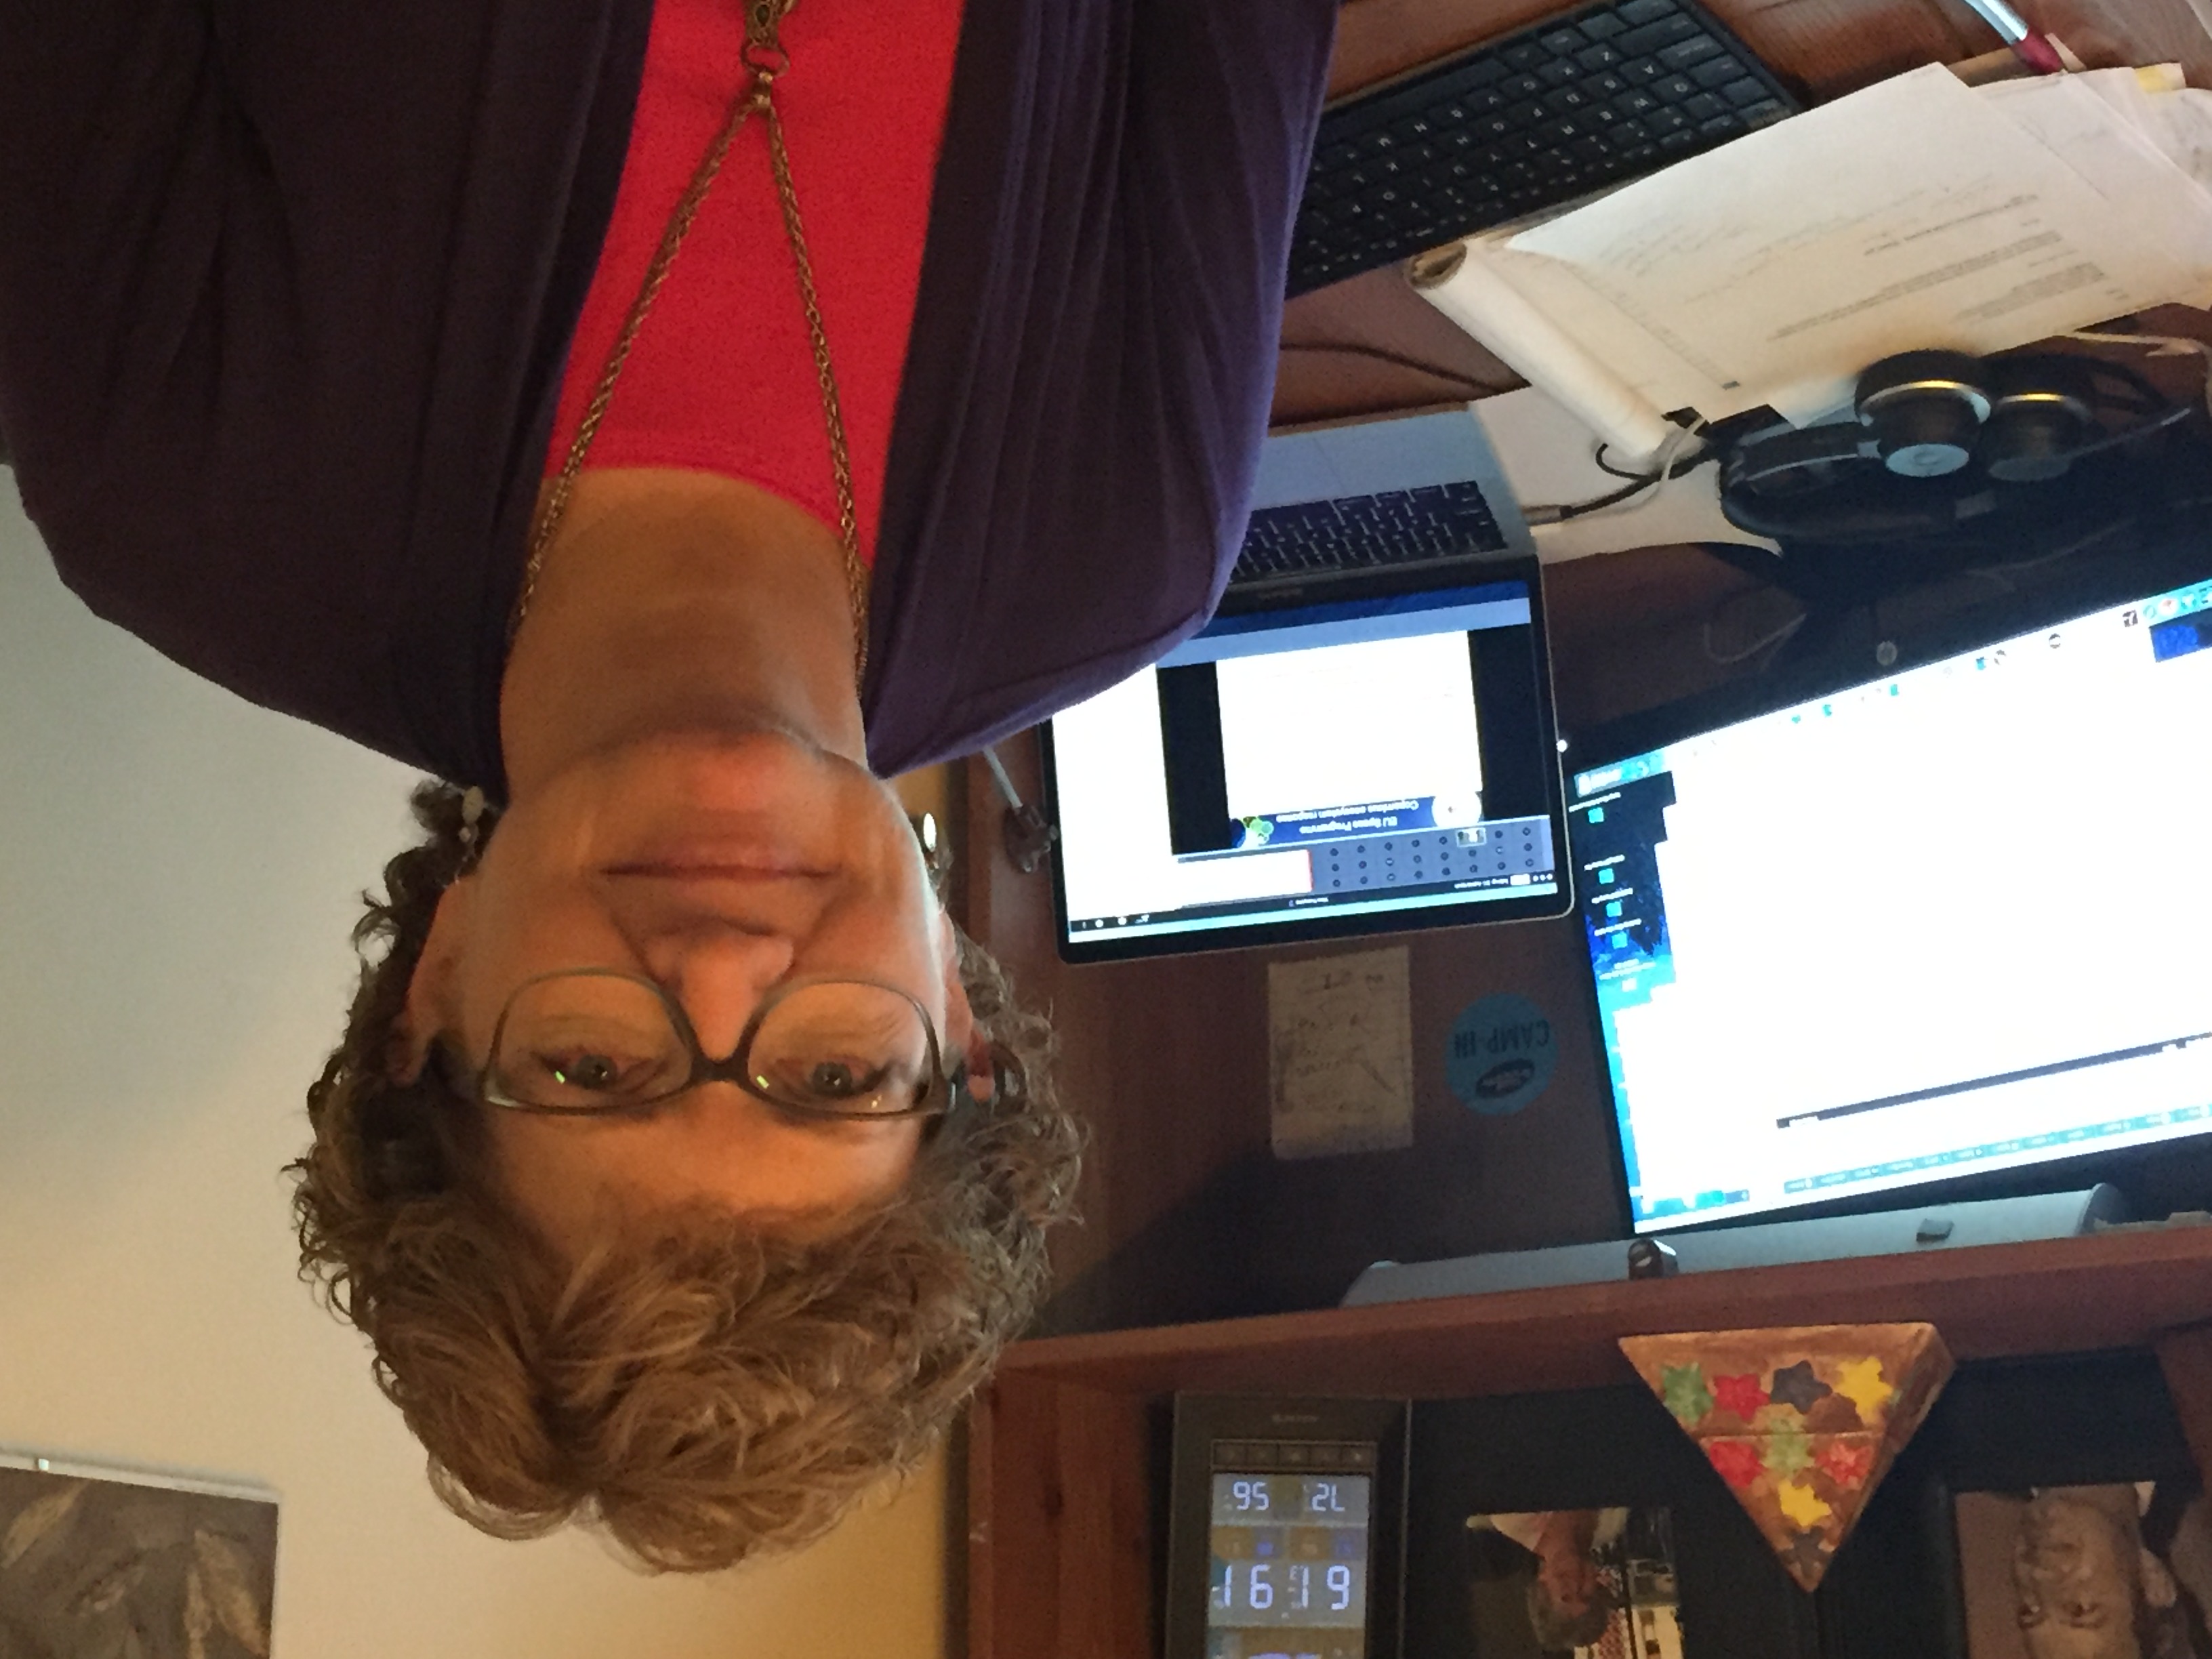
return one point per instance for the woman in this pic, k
(660, 423)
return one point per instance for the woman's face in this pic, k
(717, 866)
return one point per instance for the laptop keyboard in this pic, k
(1366, 532)
(1566, 106)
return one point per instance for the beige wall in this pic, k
(176, 878)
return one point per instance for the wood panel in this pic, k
(2186, 1357)
(2119, 1290)
(1060, 1546)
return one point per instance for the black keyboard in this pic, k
(1564, 107)
(1366, 532)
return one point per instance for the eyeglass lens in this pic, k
(587, 1042)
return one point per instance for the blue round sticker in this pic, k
(1501, 1055)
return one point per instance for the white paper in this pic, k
(1340, 1054)
(1918, 212)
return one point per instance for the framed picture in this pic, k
(1584, 1526)
(102, 1561)
(2078, 1528)
(2119, 1571)
(1591, 1582)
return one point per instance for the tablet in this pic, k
(1353, 760)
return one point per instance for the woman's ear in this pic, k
(434, 991)
(964, 1041)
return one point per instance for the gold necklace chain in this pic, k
(765, 62)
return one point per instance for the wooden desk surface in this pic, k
(1168, 1057)
(1360, 347)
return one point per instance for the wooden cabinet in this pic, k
(1062, 1541)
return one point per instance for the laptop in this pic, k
(1362, 741)
(1419, 493)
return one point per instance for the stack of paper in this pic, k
(1918, 212)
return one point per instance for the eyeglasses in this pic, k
(588, 1042)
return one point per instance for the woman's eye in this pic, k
(600, 1073)
(839, 1079)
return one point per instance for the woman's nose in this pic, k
(719, 973)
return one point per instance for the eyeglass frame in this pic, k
(947, 1092)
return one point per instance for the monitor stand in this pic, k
(1891, 1232)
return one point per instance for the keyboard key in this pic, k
(1603, 26)
(1744, 92)
(1664, 120)
(1676, 87)
(1628, 135)
(1716, 72)
(1703, 108)
(1683, 54)
(1642, 11)
(1638, 102)
(1642, 71)
(1526, 55)
(1719, 127)
(1652, 36)
(1566, 99)
(1763, 114)
(1594, 59)
(1562, 43)
(1560, 71)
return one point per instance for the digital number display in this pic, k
(1290, 1559)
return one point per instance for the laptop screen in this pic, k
(1362, 765)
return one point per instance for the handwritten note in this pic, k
(1340, 1054)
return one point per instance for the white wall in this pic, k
(177, 874)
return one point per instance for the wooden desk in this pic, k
(1168, 1057)
(1349, 349)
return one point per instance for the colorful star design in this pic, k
(1801, 1504)
(1846, 1464)
(1682, 1390)
(1795, 1387)
(1740, 1394)
(1811, 1551)
(1737, 1461)
(1788, 1450)
(1861, 1383)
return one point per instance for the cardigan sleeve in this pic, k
(1088, 383)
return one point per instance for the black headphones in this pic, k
(1936, 436)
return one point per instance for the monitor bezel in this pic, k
(1311, 926)
(2175, 1168)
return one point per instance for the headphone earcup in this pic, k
(1924, 409)
(2043, 413)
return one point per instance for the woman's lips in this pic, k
(717, 869)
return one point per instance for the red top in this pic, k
(722, 378)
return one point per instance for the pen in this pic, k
(2034, 50)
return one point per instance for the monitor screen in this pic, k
(1357, 766)
(1948, 922)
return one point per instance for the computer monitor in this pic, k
(1947, 922)
(1363, 762)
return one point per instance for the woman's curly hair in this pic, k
(701, 1393)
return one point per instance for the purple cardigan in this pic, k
(286, 293)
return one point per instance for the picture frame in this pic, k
(2077, 1524)
(97, 1560)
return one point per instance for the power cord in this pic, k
(1665, 468)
